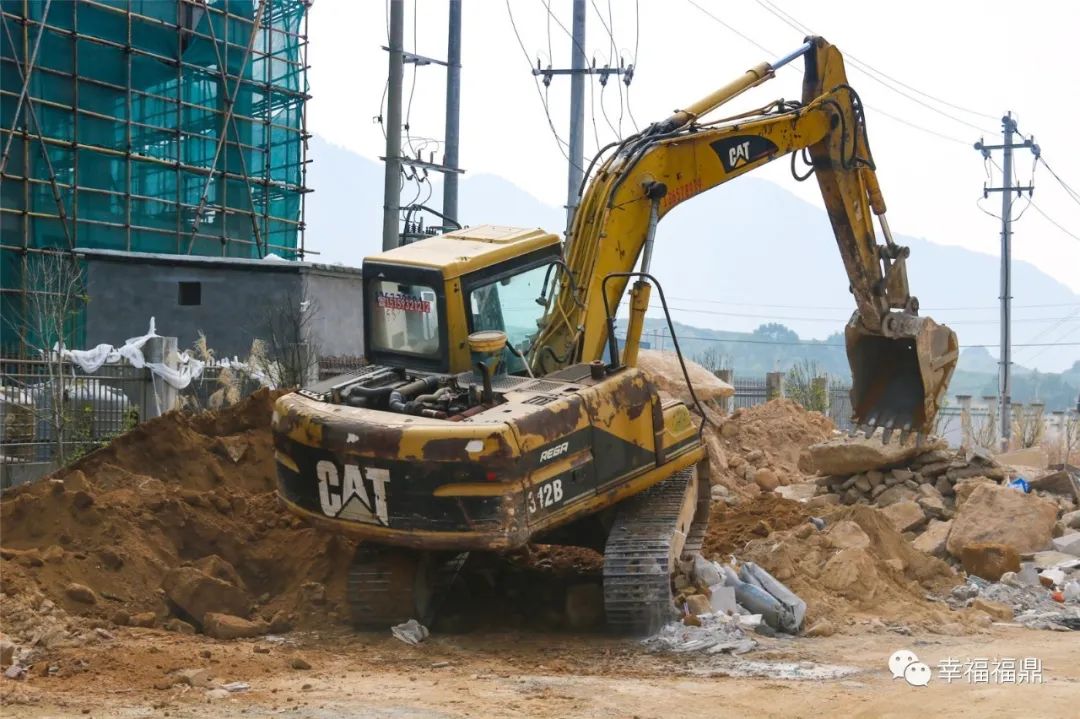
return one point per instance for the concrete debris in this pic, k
(411, 632)
(1068, 544)
(848, 456)
(716, 633)
(1032, 606)
(1001, 515)
(15, 672)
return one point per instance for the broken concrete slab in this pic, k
(1060, 482)
(1002, 515)
(1068, 544)
(1052, 558)
(848, 455)
(932, 541)
(905, 515)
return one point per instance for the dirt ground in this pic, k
(530, 674)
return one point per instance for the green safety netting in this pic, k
(132, 105)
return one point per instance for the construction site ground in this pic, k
(507, 674)
(113, 570)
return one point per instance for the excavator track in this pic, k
(651, 532)
(388, 585)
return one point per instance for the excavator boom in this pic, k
(900, 362)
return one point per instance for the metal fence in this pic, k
(749, 391)
(840, 405)
(752, 391)
(42, 403)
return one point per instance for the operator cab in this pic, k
(422, 300)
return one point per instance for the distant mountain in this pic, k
(759, 254)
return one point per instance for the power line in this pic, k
(1054, 222)
(822, 343)
(543, 100)
(902, 121)
(781, 318)
(867, 69)
(838, 307)
(1071, 192)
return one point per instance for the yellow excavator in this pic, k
(499, 409)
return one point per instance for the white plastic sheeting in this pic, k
(90, 361)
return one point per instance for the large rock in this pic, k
(988, 560)
(215, 566)
(932, 541)
(664, 370)
(197, 594)
(1001, 515)
(846, 534)
(848, 455)
(905, 515)
(766, 479)
(892, 495)
(227, 626)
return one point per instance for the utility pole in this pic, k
(1008, 127)
(577, 72)
(453, 112)
(577, 113)
(392, 177)
(395, 159)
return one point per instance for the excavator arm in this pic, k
(901, 363)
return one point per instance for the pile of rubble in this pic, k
(995, 519)
(174, 525)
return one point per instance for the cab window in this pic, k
(403, 318)
(509, 304)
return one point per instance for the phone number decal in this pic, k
(399, 301)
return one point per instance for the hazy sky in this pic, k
(986, 56)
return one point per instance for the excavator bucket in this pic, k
(899, 376)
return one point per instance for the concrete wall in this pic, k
(337, 327)
(124, 295)
(236, 298)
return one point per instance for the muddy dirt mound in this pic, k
(859, 566)
(178, 490)
(231, 448)
(769, 437)
(731, 528)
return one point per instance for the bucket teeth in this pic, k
(855, 427)
(886, 435)
(868, 430)
(904, 436)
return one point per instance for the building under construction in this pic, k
(149, 126)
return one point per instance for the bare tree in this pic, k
(55, 296)
(1028, 425)
(289, 354)
(986, 434)
(805, 383)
